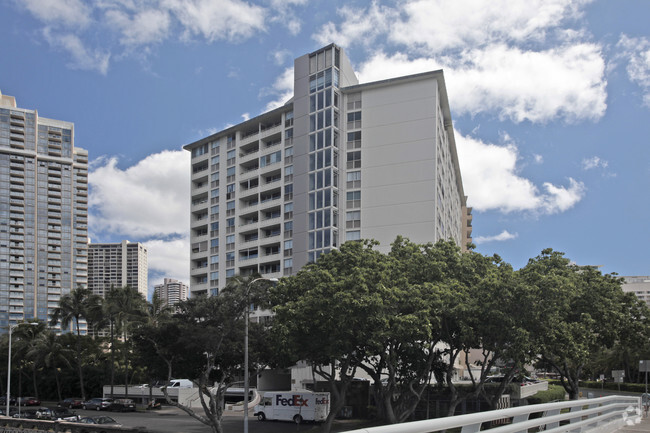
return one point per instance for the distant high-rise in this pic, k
(171, 291)
(639, 285)
(43, 213)
(340, 161)
(117, 265)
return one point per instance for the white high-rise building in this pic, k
(43, 213)
(172, 291)
(117, 265)
(340, 161)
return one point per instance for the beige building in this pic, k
(639, 285)
(118, 265)
(43, 213)
(171, 291)
(340, 161)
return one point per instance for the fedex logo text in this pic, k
(294, 400)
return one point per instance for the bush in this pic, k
(554, 393)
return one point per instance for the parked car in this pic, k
(3, 400)
(12, 410)
(29, 401)
(72, 403)
(97, 403)
(103, 420)
(26, 414)
(122, 405)
(57, 414)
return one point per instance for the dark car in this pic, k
(103, 420)
(122, 405)
(97, 403)
(56, 414)
(72, 402)
(30, 413)
(3, 400)
(29, 401)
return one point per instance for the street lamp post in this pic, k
(246, 378)
(11, 328)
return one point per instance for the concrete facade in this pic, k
(117, 264)
(340, 161)
(43, 213)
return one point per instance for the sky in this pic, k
(550, 101)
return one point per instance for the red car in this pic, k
(72, 403)
(29, 401)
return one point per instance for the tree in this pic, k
(203, 341)
(73, 307)
(124, 307)
(577, 312)
(51, 353)
(329, 313)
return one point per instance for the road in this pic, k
(173, 420)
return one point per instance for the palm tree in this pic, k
(49, 352)
(124, 306)
(73, 307)
(26, 338)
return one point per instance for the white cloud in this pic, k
(71, 13)
(442, 25)
(538, 158)
(280, 56)
(231, 20)
(503, 236)
(82, 58)
(168, 259)
(285, 15)
(360, 25)
(147, 202)
(636, 51)
(282, 90)
(567, 82)
(492, 182)
(594, 162)
(144, 27)
(147, 199)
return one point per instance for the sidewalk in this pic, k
(644, 426)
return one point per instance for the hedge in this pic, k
(554, 393)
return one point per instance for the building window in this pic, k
(288, 211)
(230, 208)
(354, 179)
(354, 101)
(353, 219)
(271, 158)
(354, 120)
(353, 235)
(353, 199)
(354, 140)
(230, 173)
(354, 159)
(231, 155)
(288, 229)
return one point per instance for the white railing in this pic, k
(598, 415)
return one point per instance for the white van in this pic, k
(296, 406)
(180, 383)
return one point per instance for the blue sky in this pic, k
(550, 101)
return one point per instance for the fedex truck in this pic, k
(296, 406)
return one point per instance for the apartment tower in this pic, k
(43, 213)
(117, 265)
(340, 161)
(171, 291)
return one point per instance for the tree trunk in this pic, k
(34, 380)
